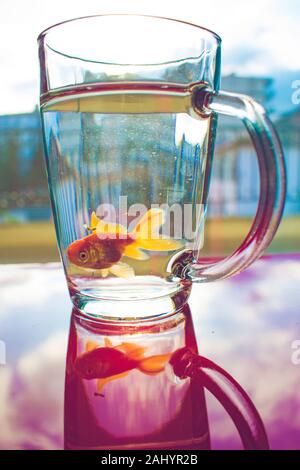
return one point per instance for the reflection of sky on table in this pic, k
(34, 322)
(245, 324)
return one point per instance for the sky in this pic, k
(260, 37)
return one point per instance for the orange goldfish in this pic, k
(91, 252)
(109, 242)
(109, 363)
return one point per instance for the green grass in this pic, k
(26, 243)
(224, 235)
(36, 242)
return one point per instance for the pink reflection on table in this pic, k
(246, 324)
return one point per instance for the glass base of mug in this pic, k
(142, 299)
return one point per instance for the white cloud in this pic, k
(17, 283)
(31, 396)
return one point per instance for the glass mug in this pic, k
(129, 109)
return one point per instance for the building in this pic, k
(288, 126)
(25, 130)
(259, 88)
(235, 182)
(23, 184)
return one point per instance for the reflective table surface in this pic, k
(249, 325)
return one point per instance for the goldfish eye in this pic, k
(83, 256)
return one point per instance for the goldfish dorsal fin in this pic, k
(154, 364)
(149, 225)
(94, 221)
(105, 227)
(108, 343)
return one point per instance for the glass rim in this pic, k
(174, 20)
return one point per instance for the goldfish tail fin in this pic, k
(149, 224)
(133, 251)
(147, 236)
(132, 350)
(122, 270)
(163, 244)
(154, 364)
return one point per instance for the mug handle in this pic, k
(227, 391)
(272, 183)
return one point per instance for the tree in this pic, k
(9, 163)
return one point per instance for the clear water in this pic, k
(115, 152)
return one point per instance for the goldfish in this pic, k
(108, 363)
(104, 248)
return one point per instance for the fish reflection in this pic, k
(142, 404)
(162, 392)
(110, 362)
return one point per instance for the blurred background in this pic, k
(259, 59)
